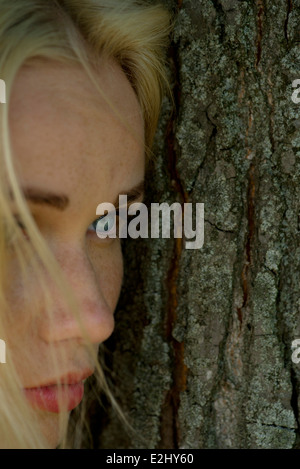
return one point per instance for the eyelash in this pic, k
(95, 222)
(129, 218)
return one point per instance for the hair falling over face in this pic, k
(84, 82)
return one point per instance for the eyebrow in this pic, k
(133, 194)
(61, 201)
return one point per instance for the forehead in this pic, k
(67, 134)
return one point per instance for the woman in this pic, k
(84, 82)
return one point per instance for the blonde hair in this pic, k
(133, 33)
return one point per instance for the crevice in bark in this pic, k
(260, 14)
(222, 20)
(273, 425)
(295, 406)
(249, 241)
(169, 428)
(210, 149)
(217, 228)
(213, 132)
(284, 336)
(272, 113)
(271, 272)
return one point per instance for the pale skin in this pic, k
(68, 141)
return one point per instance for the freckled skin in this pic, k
(66, 139)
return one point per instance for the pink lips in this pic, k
(57, 398)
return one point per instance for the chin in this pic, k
(53, 427)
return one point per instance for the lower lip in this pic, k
(55, 399)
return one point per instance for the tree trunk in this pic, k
(201, 354)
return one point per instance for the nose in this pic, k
(96, 315)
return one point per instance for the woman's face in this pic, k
(71, 153)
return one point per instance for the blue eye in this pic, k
(104, 226)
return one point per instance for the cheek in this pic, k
(108, 267)
(21, 294)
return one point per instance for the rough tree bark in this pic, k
(201, 355)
